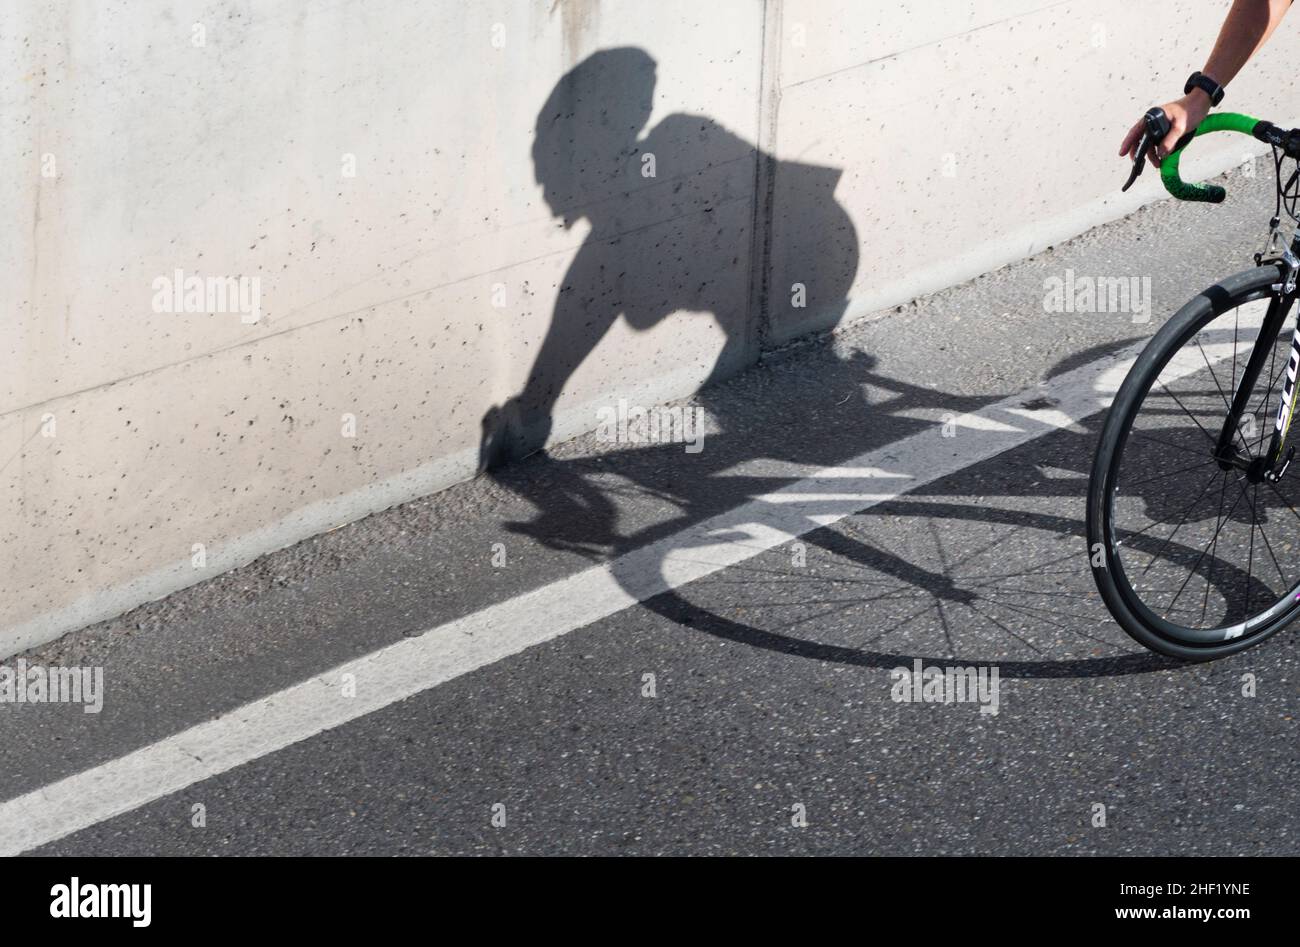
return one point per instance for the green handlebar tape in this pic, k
(1211, 193)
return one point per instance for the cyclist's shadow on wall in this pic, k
(672, 215)
(682, 242)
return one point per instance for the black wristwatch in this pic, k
(1199, 80)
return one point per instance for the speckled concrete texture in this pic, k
(474, 227)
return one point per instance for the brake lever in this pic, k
(1156, 127)
(1139, 160)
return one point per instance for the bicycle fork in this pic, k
(1265, 466)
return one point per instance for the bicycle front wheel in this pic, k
(1194, 545)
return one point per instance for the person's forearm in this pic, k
(1248, 26)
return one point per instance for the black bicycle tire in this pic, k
(1235, 291)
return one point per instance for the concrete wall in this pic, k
(421, 250)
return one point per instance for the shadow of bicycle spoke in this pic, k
(945, 582)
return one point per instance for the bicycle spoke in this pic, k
(1283, 499)
(1204, 463)
(1254, 516)
(1205, 602)
(1186, 513)
(1167, 443)
(1202, 555)
(1250, 561)
(1268, 397)
(1226, 403)
(1236, 323)
(1188, 413)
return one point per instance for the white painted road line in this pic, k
(447, 651)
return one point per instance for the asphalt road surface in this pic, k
(635, 649)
